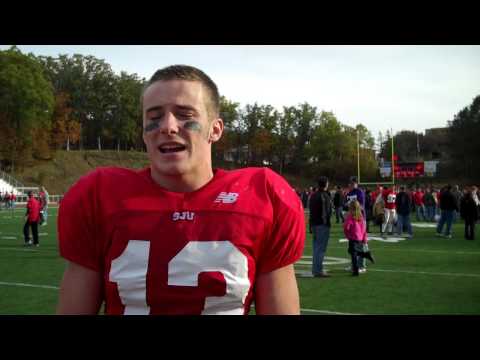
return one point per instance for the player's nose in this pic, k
(169, 124)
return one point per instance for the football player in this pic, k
(180, 237)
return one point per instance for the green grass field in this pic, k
(424, 275)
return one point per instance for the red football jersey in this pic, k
(164, 252)
(389, 197)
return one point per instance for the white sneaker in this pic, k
(362, 271)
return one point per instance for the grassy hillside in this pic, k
(67, 167)
(59, 174)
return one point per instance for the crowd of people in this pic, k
(7, 200)
(390, 208)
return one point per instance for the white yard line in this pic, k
(34, 249)
(326, 312)
(56, 288)
(18, 249)
(304, 273)
(413, 250)
(425, 272)
(29, 285)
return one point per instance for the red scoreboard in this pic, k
(406, 170)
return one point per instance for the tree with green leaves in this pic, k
(329, 150)
(230, 140)
(250, 125)
(26, 103)
(306, 119)
(285, 135)
(90, 84)
(463, 139)
(126, 117)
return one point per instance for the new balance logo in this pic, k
(226, 198)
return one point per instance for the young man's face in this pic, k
(177, 130)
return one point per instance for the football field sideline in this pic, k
(309, 274)
(5, 283)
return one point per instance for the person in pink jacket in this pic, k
(355, 231)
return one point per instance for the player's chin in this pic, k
(170, 168)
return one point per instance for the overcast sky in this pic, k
(383, 87)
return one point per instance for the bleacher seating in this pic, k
(4, 186)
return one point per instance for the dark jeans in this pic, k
(26, 231)
(430, 210)
(446, 217)
(420, 210)
(404, 221)
(355, 249)
(339, 214)
(470, 229)
(321, 235)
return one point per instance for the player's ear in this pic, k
(216, 130)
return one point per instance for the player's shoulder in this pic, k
(111, 171)
(257, 175)
(270, 183)
(245, 172)
(109, 178)
(115, 173)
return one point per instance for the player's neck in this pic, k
(184, 182)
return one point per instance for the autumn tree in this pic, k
(230, 140)
(65, 129)
(90, 83)
(26, 103)
(463, 139)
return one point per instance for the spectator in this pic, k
(355, 193)
(379, 211)
(355, 231)
(44, 200)
(403, 206)
(338, 202)
(469, 212)
(368, 208)
(304, 198)
(448, 204)
(418, 196)
(32, 217)
(319, 226)
(430, 204)
(13, 200)
(458, 196)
